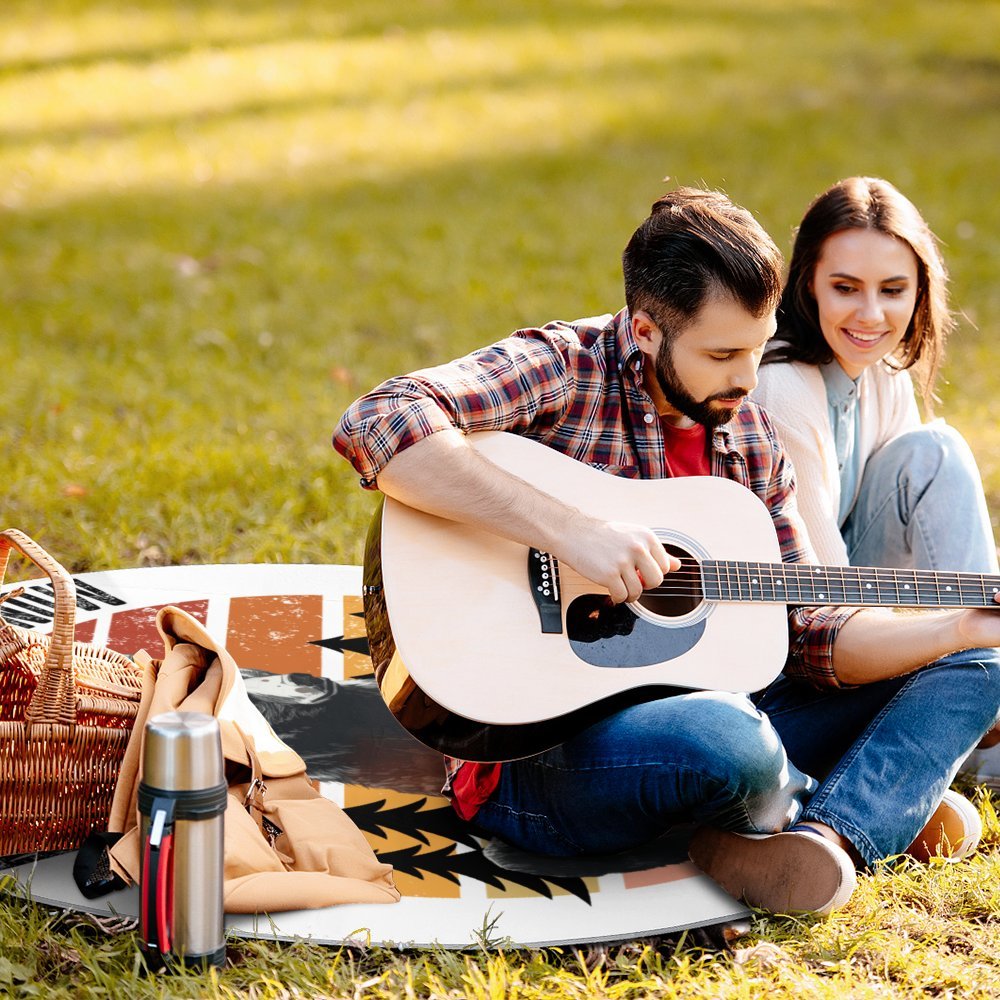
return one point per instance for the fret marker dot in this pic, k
(868, 586)
(780, 582)
(947, 588)
(906, 586)
(823, 596)
(753, 579)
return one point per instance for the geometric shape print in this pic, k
(429, 847)
(273, 632)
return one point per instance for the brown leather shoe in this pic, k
(789, 872)
(953, 832)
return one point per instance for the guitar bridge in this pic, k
(543, 578)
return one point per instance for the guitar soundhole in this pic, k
(680, 593)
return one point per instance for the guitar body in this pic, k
(456, 630)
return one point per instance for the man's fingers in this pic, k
(651, 564)
(651, 568)
(667, 562)
(626, 558)
(645, 575)
(633, 582)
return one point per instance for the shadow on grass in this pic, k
(178, 355)
(250, 23)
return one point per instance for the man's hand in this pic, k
(624, 558)
(980, 627)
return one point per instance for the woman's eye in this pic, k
(721, 357)
(843, 289)
(895, 292)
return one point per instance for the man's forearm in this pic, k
(878, 643)
(444, 475)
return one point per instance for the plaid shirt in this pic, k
(577, 387)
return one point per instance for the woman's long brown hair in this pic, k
(866, 203)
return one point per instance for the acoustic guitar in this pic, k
(485, 649)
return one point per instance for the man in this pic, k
(851, 750)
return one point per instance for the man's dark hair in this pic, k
(694, 244)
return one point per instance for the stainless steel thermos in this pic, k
(182, 801)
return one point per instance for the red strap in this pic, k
(146, 889)
(165, 893)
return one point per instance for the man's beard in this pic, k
(680, 399)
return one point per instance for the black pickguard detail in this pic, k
(613, 635)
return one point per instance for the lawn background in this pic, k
(222, 221)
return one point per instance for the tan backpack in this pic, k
(286, 847)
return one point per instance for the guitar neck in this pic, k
(801, 583)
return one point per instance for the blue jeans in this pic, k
(885, 752)
(921, 506)
(705, 757)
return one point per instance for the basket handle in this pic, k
(54, 700)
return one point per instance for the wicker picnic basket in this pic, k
(66, 711)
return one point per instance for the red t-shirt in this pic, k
(686, 450)
(686, 455)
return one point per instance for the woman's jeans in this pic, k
(921, 506)
(872, 761)
(886, 752)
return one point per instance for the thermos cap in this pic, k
(182, 752)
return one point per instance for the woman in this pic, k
(865, 304)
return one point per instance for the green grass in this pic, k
(909, 932)
(221, 221)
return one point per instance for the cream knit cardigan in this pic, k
(794, 395)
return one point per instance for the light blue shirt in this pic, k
(842, 402)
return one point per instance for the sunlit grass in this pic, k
(220, 224)
(909, 932)
(369, 106)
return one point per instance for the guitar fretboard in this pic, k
(800, 583)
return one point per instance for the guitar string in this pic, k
(688, 581)
(679, 582)
(833, 599)
(887, 576)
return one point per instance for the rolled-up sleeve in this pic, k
(386, 421)
(812, 632)
(515, 384)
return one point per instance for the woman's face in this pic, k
(865, 285)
